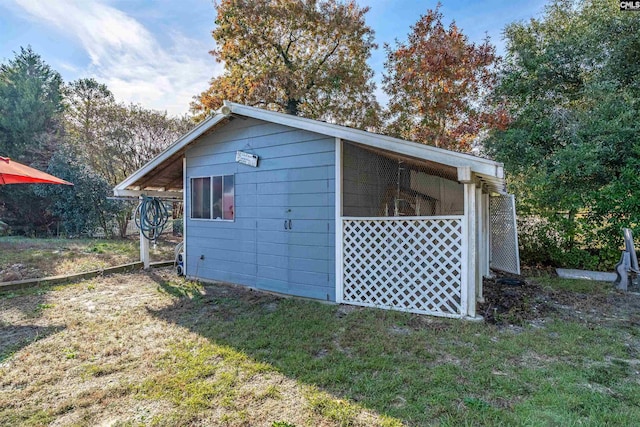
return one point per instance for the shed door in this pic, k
(272, 239)
(294, 234)
(504, 234)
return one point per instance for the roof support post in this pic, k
(479, 243)
(485, 235)
(339, 242)
(469, 254)
(144, 247)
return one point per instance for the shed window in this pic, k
(200, 197)
(213, 197)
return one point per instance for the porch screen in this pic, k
(504, 234)
(402, 233)
(380, 184)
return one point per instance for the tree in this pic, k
(30, 129)
(134, 136)
(114, 140)
(437, 84)
(302, 57)
(30, 107)
(86, 120)
(573, 148)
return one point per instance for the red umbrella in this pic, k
(16, 173)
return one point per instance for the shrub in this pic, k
(84, 207)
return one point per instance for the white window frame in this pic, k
(211, 177)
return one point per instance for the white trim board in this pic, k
(439, 155)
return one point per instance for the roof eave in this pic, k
(194, 133)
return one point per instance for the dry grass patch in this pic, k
(24, 258)
(106, 358)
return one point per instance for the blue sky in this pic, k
(155, 52)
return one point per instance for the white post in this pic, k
(485, 231)
(185, 211)
(479, 245)
(468, 294)
(144, 247)
(482, 216)
(338, 222)
(515, 230)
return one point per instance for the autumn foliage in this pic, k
(304, 58)
(437, 83)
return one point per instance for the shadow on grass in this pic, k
(385, 361)
(15, 337)
(30, 301)
(177, 288)
(419, 369)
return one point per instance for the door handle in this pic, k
(289, 224)
(285, 224)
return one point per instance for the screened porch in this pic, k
(414, 234)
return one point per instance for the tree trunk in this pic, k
(292, 106)
(572, 228)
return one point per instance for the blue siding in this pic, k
(294, 181)
(310, 252)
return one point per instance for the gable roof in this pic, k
(162, 176)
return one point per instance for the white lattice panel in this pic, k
(504, 235)
(404, 264)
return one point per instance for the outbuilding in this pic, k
(313, 209)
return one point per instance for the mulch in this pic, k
(513, 301)
(516, 300)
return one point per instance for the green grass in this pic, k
(36, 290)
(575, 285)
(442, 371)
(26, 419)
(197, 377)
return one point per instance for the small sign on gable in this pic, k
(247, 159)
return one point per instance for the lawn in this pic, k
(26, 258)
(149, 348)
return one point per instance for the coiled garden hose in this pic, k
(151, 217)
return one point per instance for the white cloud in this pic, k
(127, 57)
